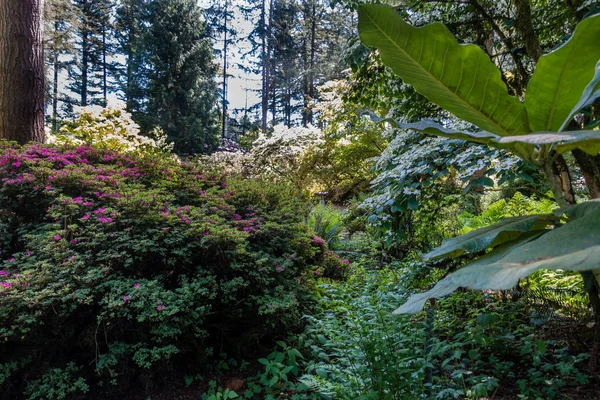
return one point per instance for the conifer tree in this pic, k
(60, 22)
(181, 79)
(131, 74)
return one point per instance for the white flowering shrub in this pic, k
(416, 172)
(281, 155)
(239, 163)
(109, 128)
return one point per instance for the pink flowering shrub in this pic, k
(130, 268)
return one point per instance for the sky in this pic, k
(242, 87)
(239, 82)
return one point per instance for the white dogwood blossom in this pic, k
(109, 128)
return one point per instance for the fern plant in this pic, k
(327, 223)
(464, 81)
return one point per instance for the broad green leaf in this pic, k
(430, 127)
(590, 94)
(588, 141)
(580, 210)
(459, 78)
(521, 145)
(574, 246)
(416, 302)
(561, 76)
(491, 236)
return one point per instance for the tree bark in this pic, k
(224, 105)
(264, 59)
(508, 42)
(21, 71)
(524, 25)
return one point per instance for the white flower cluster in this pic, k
(109, 128)
(286, 143)
(412, 164)
(277, 156)
(238, 163)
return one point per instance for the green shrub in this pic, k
(327, 223)
(120, 269)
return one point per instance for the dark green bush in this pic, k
(119, 270)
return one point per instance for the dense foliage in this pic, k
(117, 270)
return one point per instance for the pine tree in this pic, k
(220, 27)
(285, 68)
(89, 70)
(181, 79)
(60, 22)
(131, 74)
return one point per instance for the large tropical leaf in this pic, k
(577, 211)
(521, 145)
(590, 94)
(574, 246)
(508, 229)
(459, 78)
(523, 150)
(588, 141)
(561, 76)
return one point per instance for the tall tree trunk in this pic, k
(269, 89)
(21, 71)
(129, 83)
(84, 67)
(523, 75)
(313, 44)
(264, 59)
(55, 92)
(223, 127)
(104, 67)
(524, 26)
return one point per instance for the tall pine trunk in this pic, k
(84, 67)
(21, 71)
(265, 76)
(224, 125)
(104, 67)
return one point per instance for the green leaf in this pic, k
(480, 239)
(588, 141)
(430, 127)
(413, 203)
(580, 210)
(541, 345)
(486, 319)
(590, 94)
(573, 246)
(459, 78)
(561, 76)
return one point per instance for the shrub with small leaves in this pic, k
(132, 267)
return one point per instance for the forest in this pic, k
(299, 199)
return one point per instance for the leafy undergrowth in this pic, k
(470, 345)
(121, 272)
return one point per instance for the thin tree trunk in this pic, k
(508, 42)
(55, 93)
(104, 68)
(524, 25)
(223, 128)
(313, 40)
(129, 84)
(265, 74)
(21, 71)
(84, 67)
